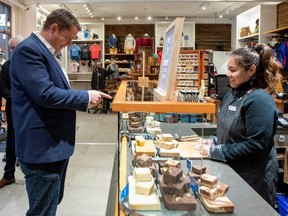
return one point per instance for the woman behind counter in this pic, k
(247, 120)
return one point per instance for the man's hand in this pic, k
(96, 96)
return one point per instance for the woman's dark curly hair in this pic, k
(268, 68)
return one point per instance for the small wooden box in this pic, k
(245, 31)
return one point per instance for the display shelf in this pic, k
(283, 30)
(80, 80)
(123, 60)
(192, 67)
(267, 15)
(188, 31)
(80, 77)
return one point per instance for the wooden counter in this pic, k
(120, 104)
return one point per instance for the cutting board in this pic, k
(186, 149)
(189, 150)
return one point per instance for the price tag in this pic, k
(194, 186)
(189, 165)
(124, 193)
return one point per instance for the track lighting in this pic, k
(88, 9)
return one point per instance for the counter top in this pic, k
(245, 199)
(121, 104)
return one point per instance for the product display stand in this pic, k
(168, 70)
(143, 81)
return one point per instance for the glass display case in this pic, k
(135, 101)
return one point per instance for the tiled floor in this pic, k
(89, 172)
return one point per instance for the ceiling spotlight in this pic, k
(204, 6)
(102, 18)
(220, 16)
(149, 17)
(166, 17)
(136, 18)
(118, 18)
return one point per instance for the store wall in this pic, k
(282, 15)
(213, 36)
(27, 20)
(122, 30)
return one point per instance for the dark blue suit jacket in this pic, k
(43, 104)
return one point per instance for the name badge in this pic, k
(232, 108)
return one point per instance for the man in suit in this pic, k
(44, 110)
(5, 91)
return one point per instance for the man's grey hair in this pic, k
(16, 38)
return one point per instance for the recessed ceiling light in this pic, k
(102, 18)
(136, 18)
(149, 17)
(118, 18)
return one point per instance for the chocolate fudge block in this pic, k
(172, 175)
(182, 186)
(171, 162)
(222, 188)
(134, 119)
(144, 160)
(198, 169)
(185, 203)
(209, 193)
(208, 180)
(194, 175)
(135, 124)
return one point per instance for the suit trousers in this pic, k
(45, 186)
(9, 168)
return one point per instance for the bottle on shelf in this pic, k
(202, 90)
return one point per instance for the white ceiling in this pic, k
(158, 10)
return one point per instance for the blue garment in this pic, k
(43, 106)
(74, 52)
(113, 42)
(44, 118)
(45, 186)
(86, 34)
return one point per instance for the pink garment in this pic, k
(74, 66)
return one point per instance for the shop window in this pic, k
(5, 28)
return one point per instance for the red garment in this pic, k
(159, 57)
(143, 42)
(95, 51)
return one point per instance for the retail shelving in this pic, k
(188, 38)
(267, 20)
